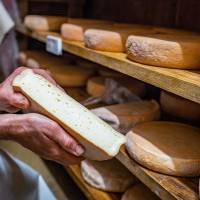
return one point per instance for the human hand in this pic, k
(42, 136)
(11, 101)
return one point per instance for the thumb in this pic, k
(20, 101)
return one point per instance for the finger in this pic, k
(68, 143)
(19, 101)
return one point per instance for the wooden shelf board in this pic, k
(184, 83)
(91, 192)
(166, 187)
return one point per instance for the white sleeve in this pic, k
(6, 22)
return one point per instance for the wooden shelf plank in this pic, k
(90, 192)
(166, 187)
(184, 83)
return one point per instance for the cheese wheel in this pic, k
(44, 23)
(96, 86)
(113, 39)
(109, 175)
(65, 75)
(86, 63)
(82, 124)
(139, 192)
(179, 107)
(170, 51)
(130, 114)
(166, 147)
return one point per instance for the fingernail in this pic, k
(79, 150)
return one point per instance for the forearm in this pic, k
(10, 126)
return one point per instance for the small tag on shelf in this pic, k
(54, 45)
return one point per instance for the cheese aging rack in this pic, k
(184, 83)
(178, 14)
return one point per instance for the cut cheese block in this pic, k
(112, 40)
(179, 107)
(139, 192)
(96, 86)
(74, 29)
(127, 115)
(44, 23)
(109, 73)
(65, 75)
(82, 124)
(166, 147)
(108, 175)
(172, 51)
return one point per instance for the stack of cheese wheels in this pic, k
(74, 28)
(172, 51)
(139, 192)
(44, 23)
(112, 40)
(109, 175)
(96, 86)
(65, 75)
(166, 147)
(179, 107)
(130, 114)
(78, 121)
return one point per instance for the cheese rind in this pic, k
(82, 124)
(179, 51)
(166, 147)
(44, 23)
(179, 107)
(109, 175)
(139, 192)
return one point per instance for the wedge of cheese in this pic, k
(179, 107)
(172, 51)
(139, 192)
(100, 141)
(44, 23)
(108, 175)
(166, 147)
(65, 74)
(96, 86)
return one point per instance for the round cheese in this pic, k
(44, 23)
(166, 147)
(130, 114)
(109, 175)
(65, 74)
(139, 192)
(170, 51)
(179, 107)
(96, 86)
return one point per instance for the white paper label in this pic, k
(54, 45)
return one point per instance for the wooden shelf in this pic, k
(90, 192)
(184, 83)
(166, 187)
